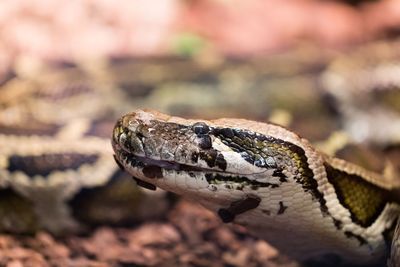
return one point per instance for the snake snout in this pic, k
(130, 132)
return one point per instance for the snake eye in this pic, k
(200, 128)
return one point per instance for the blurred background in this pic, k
(199, 58)
(315, 66)
(70, 30)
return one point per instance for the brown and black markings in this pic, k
(46, 164)
(238, 207)
(139, 182)
(144, 184)
(282, 208)
(358, 237)
(272, 153)
(36, 128)
(365, 201)
(237, 182)
(212, 158)
(152, 172)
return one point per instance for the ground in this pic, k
(188, 236)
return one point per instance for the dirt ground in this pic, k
(189, 236)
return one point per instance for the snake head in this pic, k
(176, 155)
(215, 162)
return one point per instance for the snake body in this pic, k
(56, 166)
(311, 206)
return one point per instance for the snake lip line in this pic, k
(150, 168)
(143, 162)
(153, 169)
(125, 156)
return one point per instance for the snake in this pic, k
(56, 167)
(57, 170)
(311, 206)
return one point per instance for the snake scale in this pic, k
(57, 171)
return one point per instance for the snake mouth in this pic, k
(152, 168)
(146, 170)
